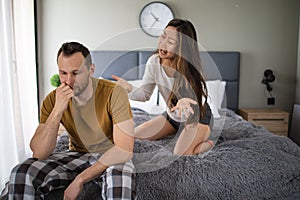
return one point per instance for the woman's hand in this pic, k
(184, 105)
(123, 83)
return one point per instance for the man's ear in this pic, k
(92, 70)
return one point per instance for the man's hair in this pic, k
(69, 48)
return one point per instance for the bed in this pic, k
(248, 162)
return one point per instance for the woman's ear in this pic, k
(92, 69)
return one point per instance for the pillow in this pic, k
(213, 108)
(149, 106)
(216, 91)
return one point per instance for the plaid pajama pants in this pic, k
(33, 179)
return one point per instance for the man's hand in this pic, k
(73, 190)
(63, 94)
(122, 82)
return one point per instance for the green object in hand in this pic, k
(54, 80)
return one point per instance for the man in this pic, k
(97, 116)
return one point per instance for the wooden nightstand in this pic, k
(275, 120)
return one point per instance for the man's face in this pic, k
(73, 72)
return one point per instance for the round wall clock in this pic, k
(154, 17)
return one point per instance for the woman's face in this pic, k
(168, 43)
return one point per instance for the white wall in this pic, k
(264, 31)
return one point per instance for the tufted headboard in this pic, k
(130, 65)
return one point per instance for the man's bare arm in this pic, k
(43, 141)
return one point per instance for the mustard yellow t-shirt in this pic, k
(90, 127)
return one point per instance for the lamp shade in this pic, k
(268, 78)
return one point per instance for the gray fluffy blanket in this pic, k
(248, 162)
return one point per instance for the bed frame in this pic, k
(131, 66)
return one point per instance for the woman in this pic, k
(176, 69)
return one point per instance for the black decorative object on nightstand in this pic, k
(267, 79)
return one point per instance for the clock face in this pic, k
(154, 17)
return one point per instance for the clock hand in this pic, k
(156, 18)
(152, 24)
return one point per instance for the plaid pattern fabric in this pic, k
(33, 179)
(119, 182)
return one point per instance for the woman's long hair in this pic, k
(188, 79)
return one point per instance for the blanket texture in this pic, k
(248, 162)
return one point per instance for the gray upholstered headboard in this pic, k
(131, 65)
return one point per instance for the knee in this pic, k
(120, 173)
(21, 169)
(119, 181)
(24, 166)
(127, 167)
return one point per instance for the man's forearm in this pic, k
(113, 156)
(44, 140)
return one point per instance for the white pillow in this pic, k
(213, 108)
(216, 91)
